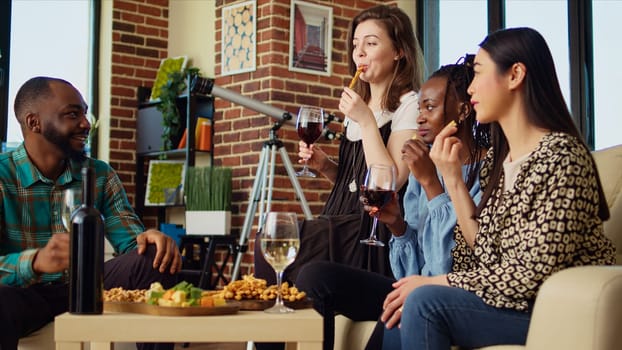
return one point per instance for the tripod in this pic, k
(262, 191)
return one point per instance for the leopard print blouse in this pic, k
(547, 222)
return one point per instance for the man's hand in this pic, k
(167, 252)
(54, 257)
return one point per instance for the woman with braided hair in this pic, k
(421, 242)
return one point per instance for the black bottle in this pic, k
(86, 265)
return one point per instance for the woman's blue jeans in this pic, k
(437, 317)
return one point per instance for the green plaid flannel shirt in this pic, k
(30, 213)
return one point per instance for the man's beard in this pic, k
(64, 144)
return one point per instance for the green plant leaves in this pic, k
(208, 188)
(171, 123)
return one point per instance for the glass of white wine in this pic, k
(72, 199)
(279, 245)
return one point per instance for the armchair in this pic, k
(578, 308)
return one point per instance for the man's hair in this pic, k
(32, 90)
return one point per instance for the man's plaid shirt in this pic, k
(30, 213)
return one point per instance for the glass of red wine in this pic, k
(309, 125)
(378, 189)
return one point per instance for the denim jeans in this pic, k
(437, 317)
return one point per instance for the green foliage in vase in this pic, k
(171, 123)
(167, 66)
(208, 188)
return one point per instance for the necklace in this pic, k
(352, 186)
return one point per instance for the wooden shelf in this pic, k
(149, 141)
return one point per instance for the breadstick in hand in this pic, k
(356, 76)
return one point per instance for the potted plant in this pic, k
(208, 200)
(171, 123)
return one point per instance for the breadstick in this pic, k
(356, 76)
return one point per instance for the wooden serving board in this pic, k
(252, 304)
(232, 307)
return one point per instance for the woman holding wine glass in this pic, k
(422, 240)
(381, 112)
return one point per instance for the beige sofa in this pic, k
(578, 308)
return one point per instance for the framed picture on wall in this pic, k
(165, 182)
(167, 66)
(310, 38)
(239, 38)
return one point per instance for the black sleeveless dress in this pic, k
(334, 236)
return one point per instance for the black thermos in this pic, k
(86, 265)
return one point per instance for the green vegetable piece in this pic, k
(195, 293)
(183, 285)
(154, 296)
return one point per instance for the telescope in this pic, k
(262, 189)
(206, 86)
(329, 134)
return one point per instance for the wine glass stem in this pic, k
(372, 234)
(279, 299)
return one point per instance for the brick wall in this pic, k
(139, 42)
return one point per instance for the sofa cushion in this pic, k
(609, 164)
(351, 335)
(578, 308)
(43, 339)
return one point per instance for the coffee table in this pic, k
(302, 328)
